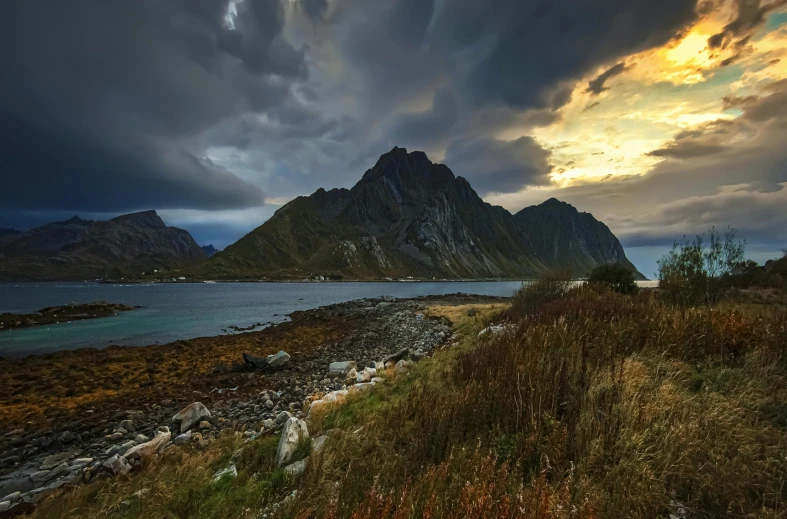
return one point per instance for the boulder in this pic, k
(278, 360)
(183, 439)
(361, 387)
(117, 466)
(351, 377)
(396, 357)
(366, 375)
(318, 443)
(293, 433)
(255, 362)
(340, 369)
(191, 415)
(128, 425)
(148, 449)
(230, 471)
(403, 366)
(334, 397)
(296, 469)
(492, 330)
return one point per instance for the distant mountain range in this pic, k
(209, 250)
(408, 217)
(78, 249)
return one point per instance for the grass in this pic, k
(591, 405)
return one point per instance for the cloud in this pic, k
(104, 104)
(723, 173)
(751, 14)
(500, 166)
(518, 52)
(596, 85)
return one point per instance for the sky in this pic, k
(662, 119)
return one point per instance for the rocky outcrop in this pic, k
(77, 249)
(406, 217)
(62, 314)
(191, 415)
(292, 435)
(564, 237)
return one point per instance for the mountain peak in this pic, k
(76, 220)
(555, 203)
(149, 219)
(399, 166)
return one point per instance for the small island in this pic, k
(62, 314)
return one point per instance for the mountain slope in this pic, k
(562, 236)
(405, 217)
(84, 249)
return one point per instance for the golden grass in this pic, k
(593, 405)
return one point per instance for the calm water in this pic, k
(184, 311)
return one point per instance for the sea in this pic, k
(176, 311)
(173, 311)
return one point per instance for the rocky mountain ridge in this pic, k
(409, 217)
(78, 249)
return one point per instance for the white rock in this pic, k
(117, 466)
(403, 366)
(183, 439)
(230, 471)
(148, 449)
(13, 497)
(361, 387)
(190, 415)
(296, 469)
(495, 329)
(366, 375)
(318, 443)
(293, 433)
(278, 360)
(5, 505)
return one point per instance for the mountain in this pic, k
(8, 232)
(405, 217)
(77, 249)
(563, 236)
(209, 250)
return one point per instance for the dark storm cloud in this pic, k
(102, 104)
(596, 85)
(494, 166)
(423, 129)
(315, 8)
(517, 52)
(751, 14)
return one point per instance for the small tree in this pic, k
(692, 272)
(618, 277)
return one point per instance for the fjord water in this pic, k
(175, 311)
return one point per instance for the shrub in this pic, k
(618, 277)
(531, 296)
(692, 272)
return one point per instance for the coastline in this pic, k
(68, 403)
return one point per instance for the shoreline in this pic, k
(62, 314)
(69, 403)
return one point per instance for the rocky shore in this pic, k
(62, 314)
(190, 391)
